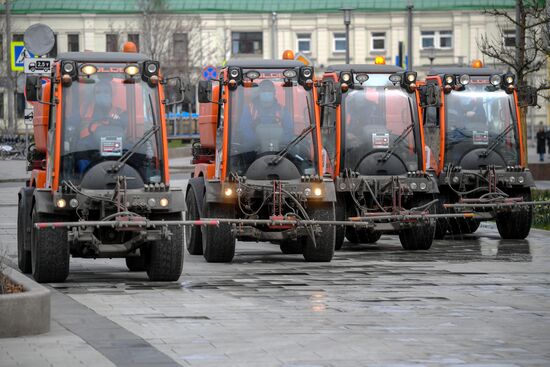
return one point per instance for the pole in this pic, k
(9, 75)
(518, 32)
(409, 34)
(347, 22)
(274, 35)
(347, 43)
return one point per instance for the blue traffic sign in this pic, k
(18, 55)
(209, 72)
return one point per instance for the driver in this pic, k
(265, 111)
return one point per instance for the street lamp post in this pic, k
(347, 22)
(410, 7)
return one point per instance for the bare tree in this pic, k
(529, 56)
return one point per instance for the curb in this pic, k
(26, 313)
(5, 180)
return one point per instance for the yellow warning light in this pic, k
(288, 55)
(477, 64)
(380, 60)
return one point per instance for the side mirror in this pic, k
(430, 95)
(529, 96)
(205, 91)
(330, 94)
(33, 88)
(173, 91)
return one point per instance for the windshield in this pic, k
(265, 117)
(474, 119)
(377, 118)
(103, 117)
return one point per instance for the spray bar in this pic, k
(496, 205)
(127, 223)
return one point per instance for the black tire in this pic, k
(49, 250)
(24, 260)
(164, 258)
(292, 247)
(218, 242)
(516, 225)
(368, 235)
(421, 236)
(323, 248)
(136, 263)
(193, 234)
(340, 210)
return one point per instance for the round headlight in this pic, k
(456, 179)
(68, 67)
(163, 202)
(61, 203)
(512, 179)
(423, 186)
(88, 69)
(151, 68)
(342, 186)
(411, 78)
(289, 73)
(495, 79)
(509, 79)
(307, 73)
(73, 203)
(449, 79)
(151, 202)
(414, 186)
(521, 179)
(133, 69)
(464, 79)
(234, 73)
(307, 191)
(228, 191)
(346, 77)
(317, 191)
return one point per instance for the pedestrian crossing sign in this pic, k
(18, 55)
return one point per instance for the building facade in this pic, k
(212, 31)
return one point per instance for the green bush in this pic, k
(541, 214)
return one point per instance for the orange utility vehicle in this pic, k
(258, 165)
(475, 135)
(375, 143)
(99, 184)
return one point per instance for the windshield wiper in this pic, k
(401, 137)
(500, 137)
(130, 152)
(291, 144)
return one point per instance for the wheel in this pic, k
(322, 249)
(218, 242)
(516, 225)
(292, 247)
(340, 210)
(164, 258)
(368, 235)
(459, 226)
(420, 236)
(193, 235)
(136, 263)
(360, 234)
(441, 225)
(49, 250)
(24, 260)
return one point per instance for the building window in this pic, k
(73, 43)
(436, 39)
(509, 38)
(1, 105)
(247, 43)
(1, 47)
(20, 104)
(339, 44)
(181, 46)
(111, 42)
(378, 41)
(134, 37)
(304, 42)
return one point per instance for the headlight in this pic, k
(509, 79)
(253, 74)
(151, 202)
(361, 78)
(495, 80)
(307, 73)
(449, 79)
(228, 191)
(234, 73)
(512, 179)
(411, 77)
(163, 202)
(346, 77)
(61, 203)
(414, 186)
(73, 203)
(464, 79)
(134, 69)
(68, 67)
(423, 186)
(456, 179)
(152, 68)
(289, 73)
(521, 179)
(317, 191)
(88, 69)
(395, 78)
(307, 191)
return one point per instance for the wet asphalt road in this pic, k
(472, 301)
